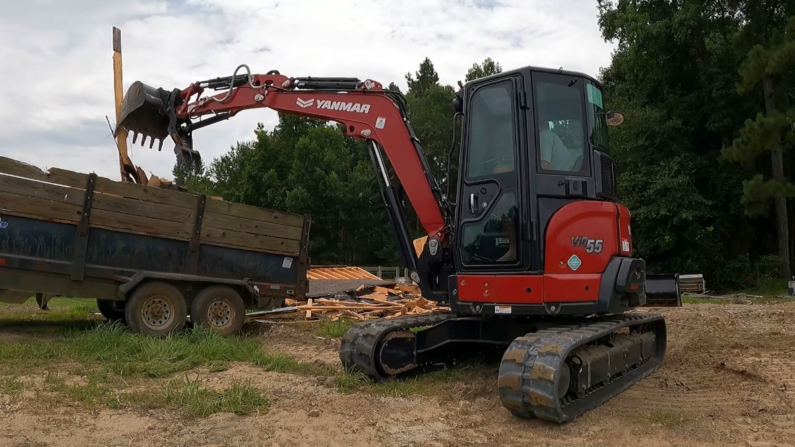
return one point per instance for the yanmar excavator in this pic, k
(535, 259)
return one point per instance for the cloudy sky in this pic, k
(57, 71)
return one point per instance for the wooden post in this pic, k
(126, 167)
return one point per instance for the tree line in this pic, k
(707, 89)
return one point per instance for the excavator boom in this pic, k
(364, 108)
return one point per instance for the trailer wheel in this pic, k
(219, 308)
(156, 308)
(112, 310)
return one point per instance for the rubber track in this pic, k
(358, 350)
(529, 370)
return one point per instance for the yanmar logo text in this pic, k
(333, 105)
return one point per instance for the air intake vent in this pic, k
(605, 176)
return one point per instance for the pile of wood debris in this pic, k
(365, 303)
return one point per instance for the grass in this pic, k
(189, 395)
(11, 386)
(104, 365)
(181, 393)
(334, 329)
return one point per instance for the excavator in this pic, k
(534, 259)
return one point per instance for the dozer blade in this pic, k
(143, 113)
(663, 291)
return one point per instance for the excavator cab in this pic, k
(533, 141)
(538, 226)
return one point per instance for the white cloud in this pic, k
(57, 82)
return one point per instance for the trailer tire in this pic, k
(156, 308)
(219, 308)
(112, 310)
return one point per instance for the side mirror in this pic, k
(614, 118)
(458, 103)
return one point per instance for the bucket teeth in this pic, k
(135, 136)
(151, 143)
(160, 147)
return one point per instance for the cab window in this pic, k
(560, 119)
(491, 138)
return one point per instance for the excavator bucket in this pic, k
(663, 291)
(145, 113)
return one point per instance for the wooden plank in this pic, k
(126, 166)
(15, 167)
(141, 225)
(248, 241)
(31, 188)
(140, 208)
(227, 222)
(147, 193)
(38, 208)
(68, 178)
(125, 189)
(254, 213)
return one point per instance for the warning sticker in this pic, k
(287, 263)
(502, 309)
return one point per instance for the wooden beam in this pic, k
(39, 208)
(126, 167)
(254, 213)
(239, 224)
(46, 191)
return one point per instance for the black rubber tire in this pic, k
(112, 310)
(163, 297)
(217, 299)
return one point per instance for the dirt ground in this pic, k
(728, 379)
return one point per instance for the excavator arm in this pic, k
(364, 108)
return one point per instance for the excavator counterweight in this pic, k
(535, 260)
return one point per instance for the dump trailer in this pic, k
(153, 258)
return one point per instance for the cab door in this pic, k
(491, 202)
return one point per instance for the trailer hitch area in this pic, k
(150, 112)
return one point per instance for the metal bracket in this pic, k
(192, 257)
(81, 234)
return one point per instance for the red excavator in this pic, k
(534, 260)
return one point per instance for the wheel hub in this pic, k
(219, 313)
(157, 313)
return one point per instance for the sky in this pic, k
(57, 69)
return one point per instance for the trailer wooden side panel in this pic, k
(146, 210)
(82, 229)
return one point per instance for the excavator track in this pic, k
(555, 372)
(559, 373)
(363, 345)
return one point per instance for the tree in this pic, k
(768, 61)
(673, 76)
(487, 68)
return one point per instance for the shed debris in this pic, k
(364, 303)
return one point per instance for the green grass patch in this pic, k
(11, 386)
(129, 354)
(63, 313)
(334, 329)
(189, 395)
